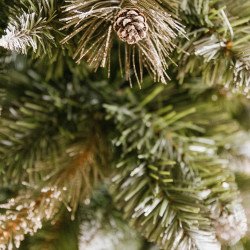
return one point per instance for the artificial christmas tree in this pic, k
(145, 153)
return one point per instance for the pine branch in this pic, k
(57, 142)
(166, 180)
(31, 28)
(72, 181)
(25, 214)
(159, 213)
(28, 129)
(221, 49)
(40, 121)
(242, 68)
(94, 17)
(79, 169)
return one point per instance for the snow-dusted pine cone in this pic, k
(131, 25)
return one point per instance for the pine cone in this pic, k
(131, 25)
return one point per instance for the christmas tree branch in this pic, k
(25, 214)
(31, 28)
(79, 169)
(95, 17)
(42, 130)
(159, 165)
(72, 180)
(220, 46)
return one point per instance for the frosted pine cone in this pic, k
(131, 25)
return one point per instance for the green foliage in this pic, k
(166, 152)
(169, 171)
(57, 141)
(32, 27)
(218, 48)
(41, 119)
